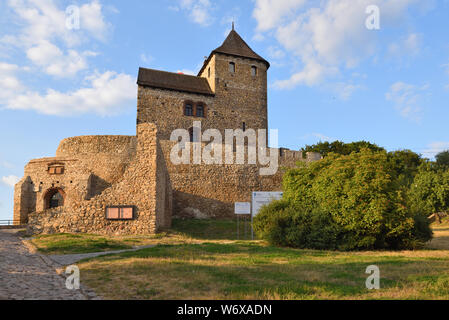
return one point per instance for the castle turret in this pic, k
(238, 77)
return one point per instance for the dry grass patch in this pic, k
(202, 260)
(252, 271)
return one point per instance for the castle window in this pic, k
(55, 169)
(254, 71)
(244, 126)
(208, 72)
(232, 67)
(120, 213)
(188, 109)
(200, 111)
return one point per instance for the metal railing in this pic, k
(9, 222)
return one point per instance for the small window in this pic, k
(254, 71)
(188, 110)
(244, 126)
(232, 67)
(56, 169)
(208, 72)
(200, 111)
(120, 213)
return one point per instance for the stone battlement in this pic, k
(83, 145)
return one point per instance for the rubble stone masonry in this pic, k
(71, 191)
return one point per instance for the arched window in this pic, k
(254, 71)
(232, 67)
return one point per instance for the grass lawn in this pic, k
(202, 260)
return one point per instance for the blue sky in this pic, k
(331, 77)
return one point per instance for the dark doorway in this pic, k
(54, 198)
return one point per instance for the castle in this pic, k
(128, 184)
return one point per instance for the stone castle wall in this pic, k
(91, 164)
(210, 191)
(138, 187)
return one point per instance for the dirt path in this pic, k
(25, 275)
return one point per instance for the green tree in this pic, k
(442, 159)
(429, 192)
(357, 197)
(325, 148)
(406, 163)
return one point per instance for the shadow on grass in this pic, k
(73, 243)
(211, 229)
(251, 271)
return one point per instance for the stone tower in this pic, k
(230, 92)
(238, 77)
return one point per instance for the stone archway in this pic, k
(54, 198)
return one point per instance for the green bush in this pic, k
(352, 202)
(285, 225)
(429, 192)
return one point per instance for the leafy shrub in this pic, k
(429, 192)
(288, 226)
(442, 159)
(341, 148)
(352, 202)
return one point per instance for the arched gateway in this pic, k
(54, 198)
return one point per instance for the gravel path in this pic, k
(69, 259)
(27, 275)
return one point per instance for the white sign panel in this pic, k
(262, 198)
(242, 208)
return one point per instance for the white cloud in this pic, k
(328, 38)
(317, 137)
(44, 25)
(410, 45)
(434, 148)
(407, 99)
(93, 21)
(54, 62)
(146, 58)
(109, 93)
(312, 74)
(275, 53)
(199, 11)
(269, 13)
(6, 165)
(44, 20)
(345, 90)
(9, 83)
(10, 180)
